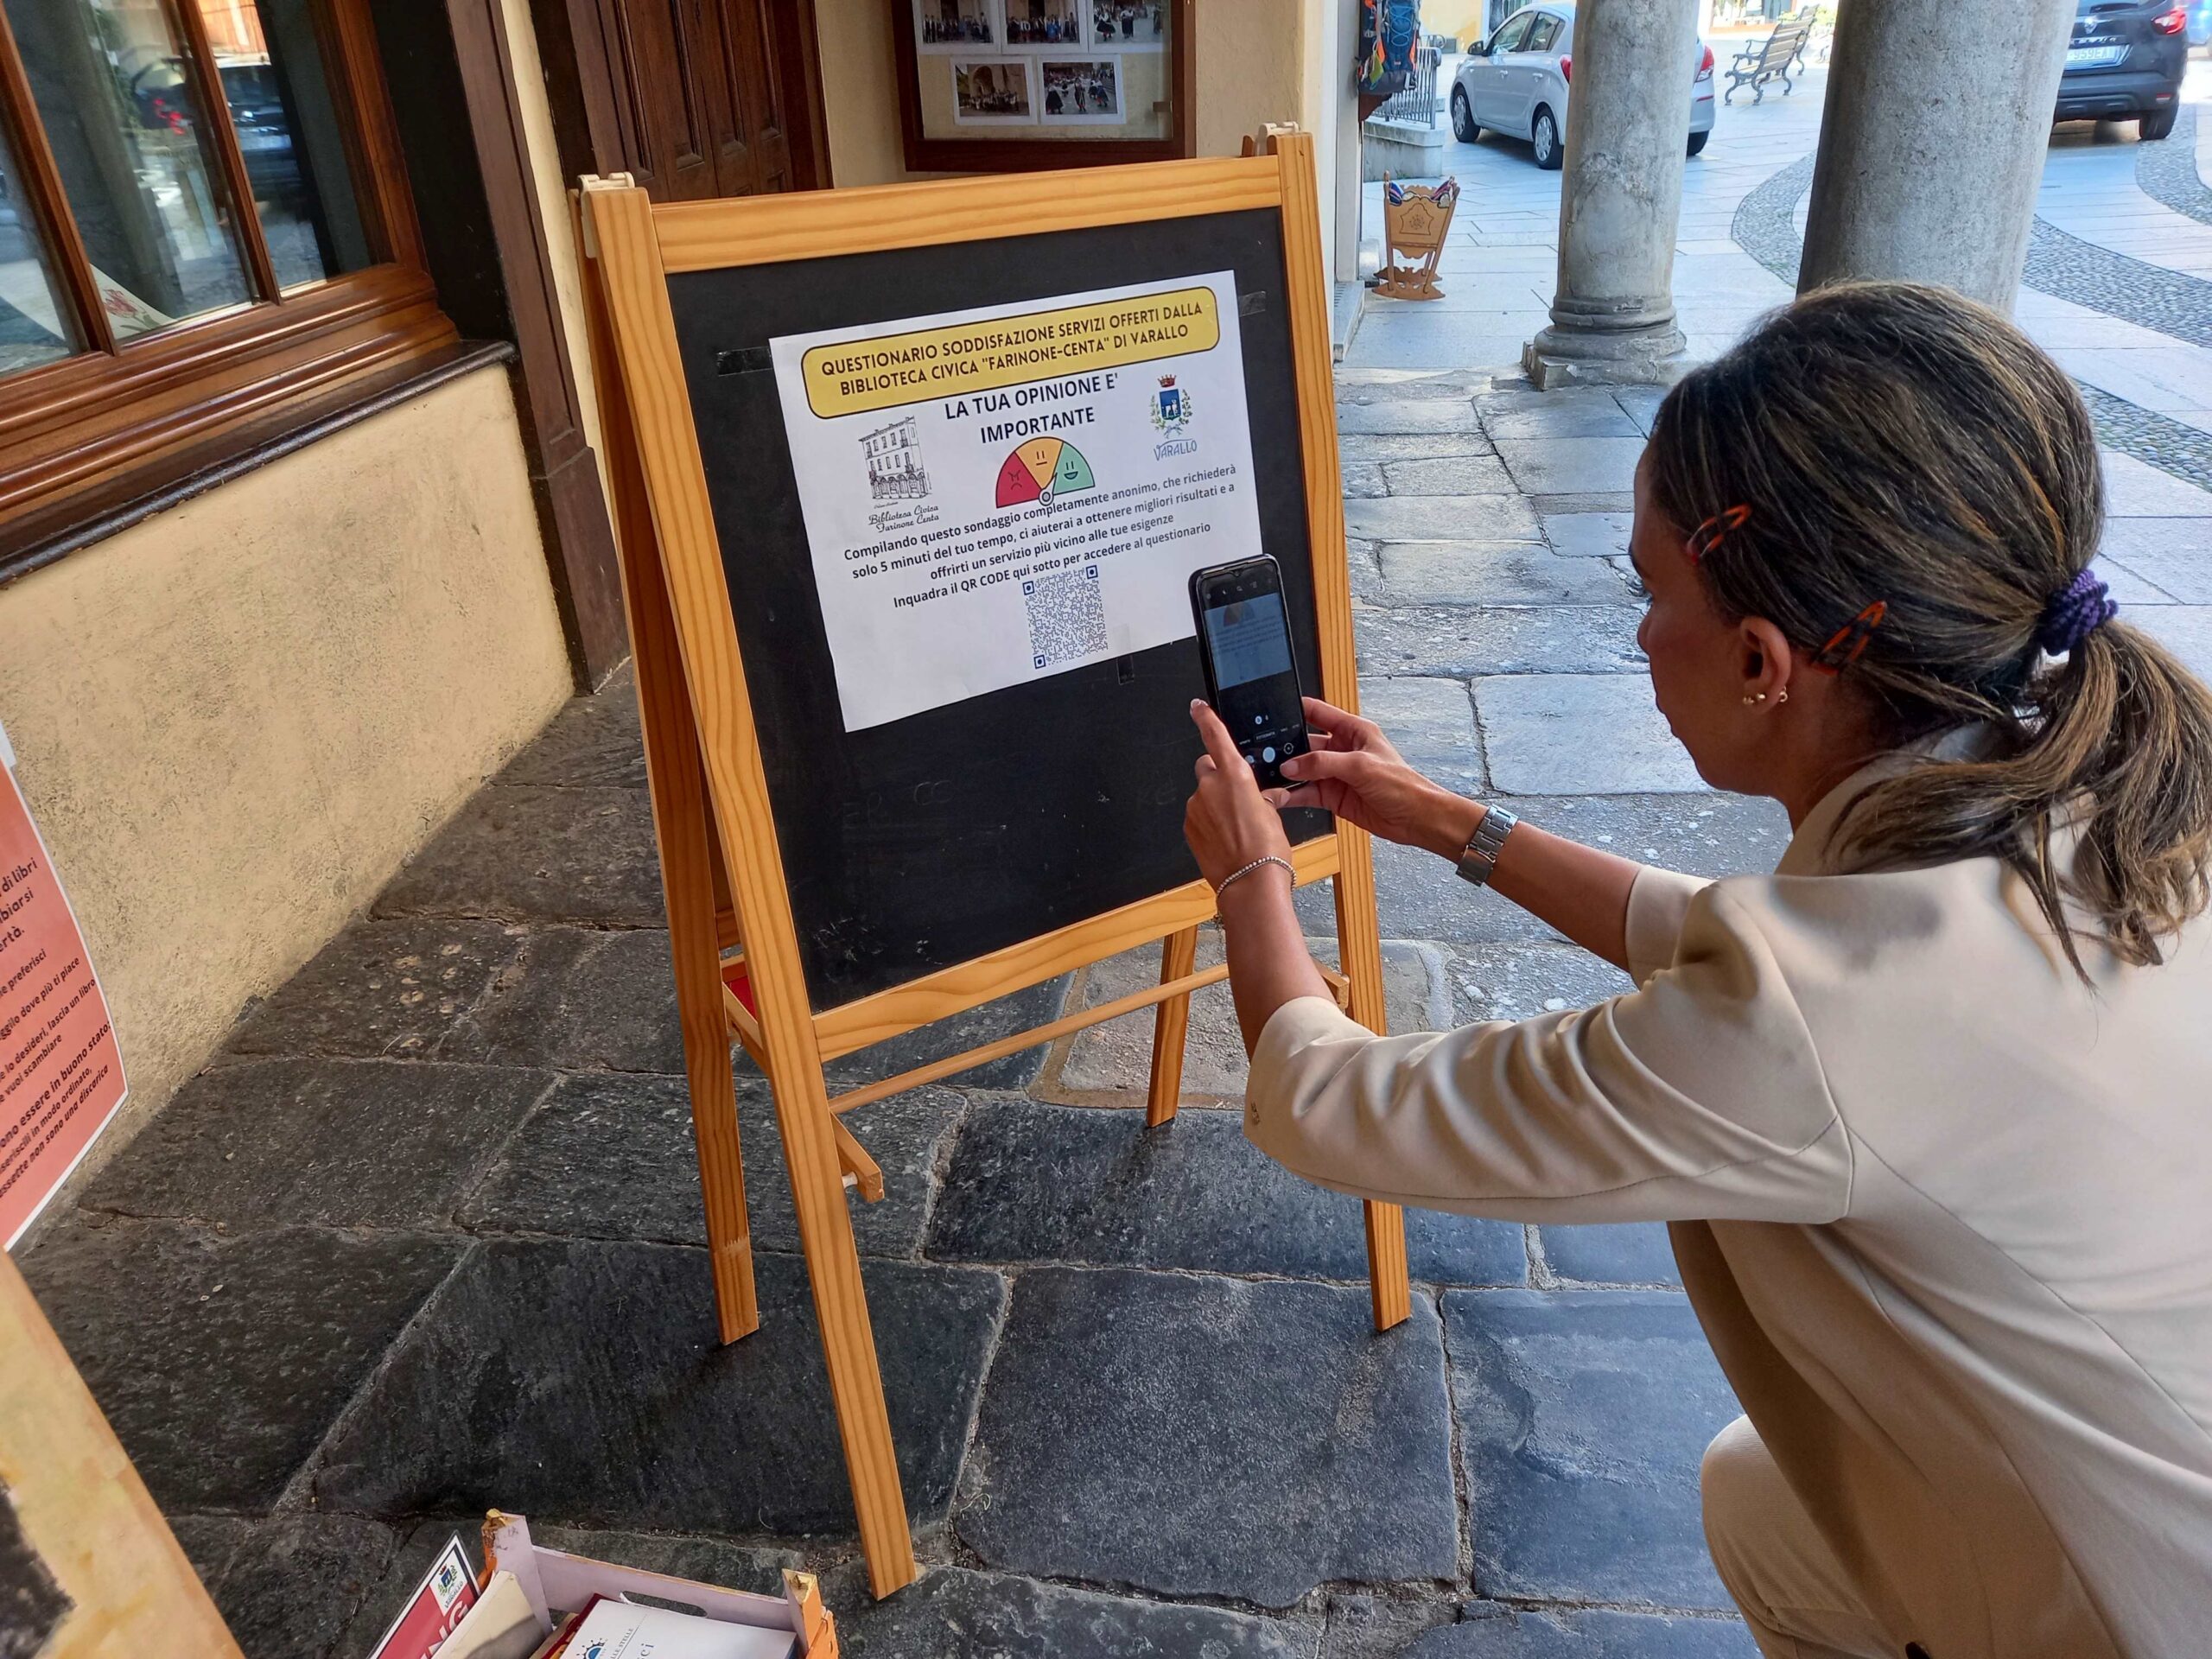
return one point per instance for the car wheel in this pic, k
(1544, 135)
(2158, 125)
(1697, 141)
(1463, 119)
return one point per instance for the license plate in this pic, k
(2094, 57)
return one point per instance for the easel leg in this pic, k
(833, 1268)
(1179, 954)
(690, 865)
(1359, 941)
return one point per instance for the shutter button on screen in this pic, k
(1267, 753)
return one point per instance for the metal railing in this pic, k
(1418, 104)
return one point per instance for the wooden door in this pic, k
(694, 98)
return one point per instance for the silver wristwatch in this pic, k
(1479, 860)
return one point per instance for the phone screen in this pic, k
(1245, 635)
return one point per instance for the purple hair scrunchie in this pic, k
(2076, 612)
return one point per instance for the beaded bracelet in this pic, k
(1257, 863)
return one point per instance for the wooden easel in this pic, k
(737, 958)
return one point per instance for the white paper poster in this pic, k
(997, 495)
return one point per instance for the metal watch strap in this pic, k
(1480, 859)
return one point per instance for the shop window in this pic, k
(205, 230)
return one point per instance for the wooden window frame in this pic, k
(927, 155)
(85, 433)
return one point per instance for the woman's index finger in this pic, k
(1219, 745)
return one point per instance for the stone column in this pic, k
(1628, 125)
(1932, 142)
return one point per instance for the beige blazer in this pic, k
(1945, 1212)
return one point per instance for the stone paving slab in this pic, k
(2135, 489)
(957, 1613)
(1574, 412)
(287, 1586)
(1579, 734)
(1463, 641)
(1108, 1064)
(1355, 447)
(1496, 573)
(1363, 480)
(1190, 1436)
(1516, 982)
(1589, 534)
(2185, 630)
(1504, 1633)
(578, 998)
(341, 1143)
(1366, 572)
(1582, 1418)
(1622, 1254)
(221, 1362)
(1501, 517)
(2127, 588)
(387, 990)
(1363, 1625)
(1036, 1006)
(1417, 894)
(582, 1381)
(1432, 724)
(1405, 415)
(1359, 385)
(1447, 475)
(531, 852)
(1418, 891)
(613, 1157)
(1564, 465)
(1560, 503)
(2175, 554)
(1029, 1182)
(593, 741)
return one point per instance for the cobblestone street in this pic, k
(427, 1237)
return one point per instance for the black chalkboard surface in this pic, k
(916, 845)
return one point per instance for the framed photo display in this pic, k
(1007, 85)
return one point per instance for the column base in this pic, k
(1578, 357)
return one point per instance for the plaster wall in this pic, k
(234, 720)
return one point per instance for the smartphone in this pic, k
(1251, 677)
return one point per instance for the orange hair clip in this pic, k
(1848, 643)
(1714, 531)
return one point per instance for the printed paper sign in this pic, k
(439, 1604)
(998, 495)
(61, 1071)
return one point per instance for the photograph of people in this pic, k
(1925, 1108)
(953, 22)
(992, 92)
(1128, 22)
(1083, 91)
(1042, 22)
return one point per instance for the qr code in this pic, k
(1067, 619)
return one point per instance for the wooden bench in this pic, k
(1772, 59)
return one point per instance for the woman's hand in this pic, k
(1229, 823)
(1354, 772)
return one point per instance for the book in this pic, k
(629, 1630)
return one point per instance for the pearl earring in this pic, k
(1758, 698)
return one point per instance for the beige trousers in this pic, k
(1793, 1591)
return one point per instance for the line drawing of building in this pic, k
(894, 462)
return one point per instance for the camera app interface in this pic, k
(1256, 684)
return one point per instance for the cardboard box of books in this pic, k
(536, 1603)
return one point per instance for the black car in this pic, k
(2124, 62)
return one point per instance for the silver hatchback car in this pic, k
(1517, 83)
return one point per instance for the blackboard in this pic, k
(917, 845)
